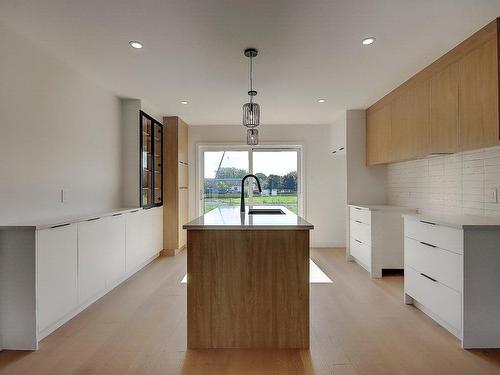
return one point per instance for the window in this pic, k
(278, 169)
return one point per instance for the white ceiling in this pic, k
(193, 49)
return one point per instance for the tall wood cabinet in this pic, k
(452, 105)
(175, 183)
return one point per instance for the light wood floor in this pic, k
(358, 326)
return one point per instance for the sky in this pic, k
(267, 162)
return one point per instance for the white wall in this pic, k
(455, 184)
(324, 174)
(58, 130)
(364, 184)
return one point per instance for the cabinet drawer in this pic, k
(358, 214)
(361, 231)
(442, 265)
(362, 252)
(438, 235)
(444, 302)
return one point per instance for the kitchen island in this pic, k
(248, 279)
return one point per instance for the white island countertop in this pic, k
(230, 217)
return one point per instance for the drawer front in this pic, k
(441, 300)
(358, 214)
(442, 265)
(438, 235)
(361, 231)
(362, 252)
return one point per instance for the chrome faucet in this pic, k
(242, 205)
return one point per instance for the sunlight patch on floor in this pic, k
(316, 275)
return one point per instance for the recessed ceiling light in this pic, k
(134, 44)
(184, 102)
(321, 100)
(368, 41)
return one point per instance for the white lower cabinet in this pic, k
(78, 263)
(452, 275)
(114, 249)
(56, 274)
(91, 259)
(375, 237)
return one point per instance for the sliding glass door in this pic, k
(278, 169)
(223, 171)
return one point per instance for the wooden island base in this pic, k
(248, 289)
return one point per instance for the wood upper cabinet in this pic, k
(478, 97)
(378, 136)
(451, 105)
(444, 111)
(410, 122)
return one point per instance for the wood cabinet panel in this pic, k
(183, 216)
(419, 125)
(478, 97)
(444, 111)
(400, 124)
(176, 182)
(410, 123)
(378, 136)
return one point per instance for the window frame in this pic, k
(200, 167)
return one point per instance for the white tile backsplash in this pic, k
(455, 184)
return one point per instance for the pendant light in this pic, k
(251, 110)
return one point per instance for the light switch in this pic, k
(64, 195)
(492, 195)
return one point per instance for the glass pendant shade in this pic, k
(252, 137)
(251, 115)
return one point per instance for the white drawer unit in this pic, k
(361, 252)
(442, 265)
(376, 237)
(361, 214)
(452, 274)
(444, 302)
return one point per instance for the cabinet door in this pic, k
(91, 259)
(410, 122)
(157, 230)
(478, 97)
(183, 216)
(182, 141)
(137, 249)
(400, 126)
(444, 111)
(419, 126)
(56, 274)
(114, 249)
(378, 136)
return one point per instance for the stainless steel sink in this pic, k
(265, 211)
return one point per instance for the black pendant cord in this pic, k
(251, 79)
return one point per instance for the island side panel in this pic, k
(248, 289)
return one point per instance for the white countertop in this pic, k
(382, 207)
(458, 221)
(229, 217)
(52, 222)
